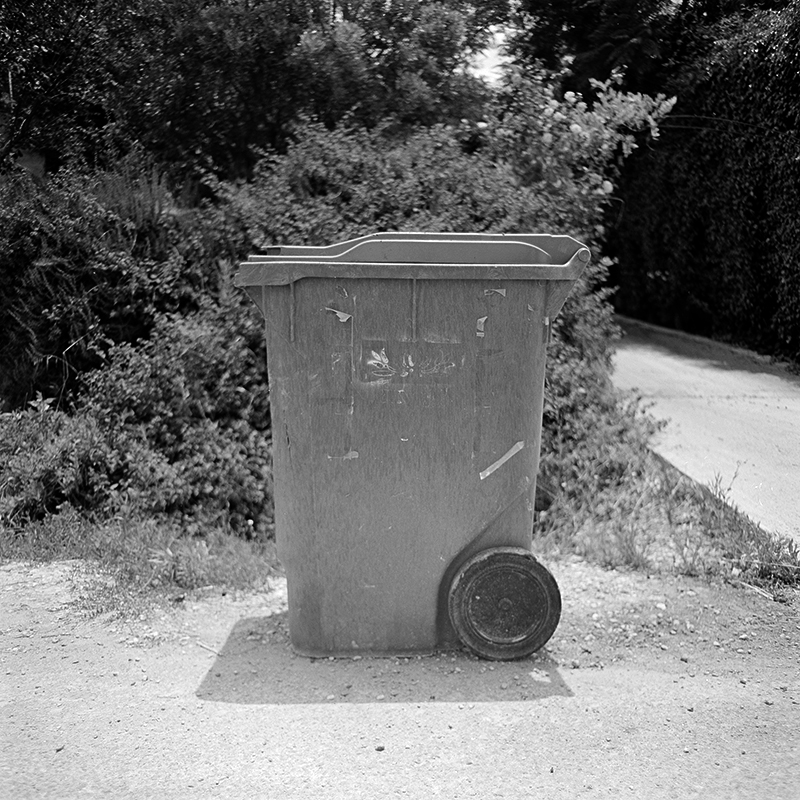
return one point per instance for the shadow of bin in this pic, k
(406, 381)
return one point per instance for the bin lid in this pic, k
(425, 256)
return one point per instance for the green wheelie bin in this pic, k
(406, 379)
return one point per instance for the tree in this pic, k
(710, 226)
(646, 41)
(52, 73)
(205, 84)
(200, 83)
(401, 59)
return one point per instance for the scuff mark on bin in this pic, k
(502, 460)
(501, 292)
(342, 316)
(346, 457)
(481, 331)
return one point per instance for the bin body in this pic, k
(406, 410)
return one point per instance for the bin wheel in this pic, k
(504, 604)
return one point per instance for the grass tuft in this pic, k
(142, 553)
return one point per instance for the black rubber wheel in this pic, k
(504, 604)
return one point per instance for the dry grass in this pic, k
(657, 519)
(143, 554)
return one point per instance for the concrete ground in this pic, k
(653, 688)
(731, 415)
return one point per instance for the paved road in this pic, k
(731, 414)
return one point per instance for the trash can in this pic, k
(406, 379)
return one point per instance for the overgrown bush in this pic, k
(177, 425)
(189, 409)
(536, 164)
(90, 258)
(49, 459)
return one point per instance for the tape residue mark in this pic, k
(346, 457)
(502, 460)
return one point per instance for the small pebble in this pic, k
(380, 748)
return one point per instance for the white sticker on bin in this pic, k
(502, 460)
(342, 316)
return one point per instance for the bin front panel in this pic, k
(407, 419)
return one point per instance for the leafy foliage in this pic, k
(189, 408)
(308, 123)
(49, 459)
(402, 61)
(710, 212)
(648, 42)
(89, 258)
(178, 425)
(536, 164)
(204, 85)
(52, 73)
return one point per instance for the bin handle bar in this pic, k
(341, 250)
(268, 271)
(406, 236)
(370, 242)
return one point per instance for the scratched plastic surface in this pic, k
(406, 433)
